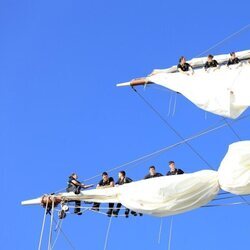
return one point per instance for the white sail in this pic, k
(171, 195)
(224, 91)
(234, 170)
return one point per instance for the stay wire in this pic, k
(51, 223)
(107, 234)
(170, 233)
(224, 40)
(57, 234)
(176, 132)
(160, 151)
(145, 158)
(226, 204)
(172, 128)
(43, 224)
(65, 236)
(232, 129)
(160, 230)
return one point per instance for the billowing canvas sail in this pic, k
(224, 91)
(234, 171)
(170, 195)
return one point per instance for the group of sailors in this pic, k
(74, 185)
(186, 68)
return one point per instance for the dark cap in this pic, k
(104, 173)
(171, 162)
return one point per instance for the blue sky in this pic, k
(61, 112)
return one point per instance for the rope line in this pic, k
(232, 129)
(107, 234)
(65, 236)
(227, 204)
(224, 40)
(43, 224)
(170, 103)
(170, 233)
(160, 230)
(58, 233)
(172, 128)
(175, 101)
(51, 223)
(160, 151)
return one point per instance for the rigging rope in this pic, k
(66, 237)
(43, 224)
(232, 129)
(148, 156)
(175, 101)
(160, 230)
(160, 151)
(170, 103)
(107, 233)
(51, 223)
(227, 204)
(170, 233)
(224, 40)
(58, 233)
(172, 128)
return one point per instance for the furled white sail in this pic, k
(234, 170)
(170, 195)
(224, 91)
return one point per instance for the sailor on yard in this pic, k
(233, 59)
(123, 179)
(75, 186)
(106, 182)
(211, 63)
(152, 173)
(184, 67)
(173, 170)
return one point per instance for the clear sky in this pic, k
(61, 112)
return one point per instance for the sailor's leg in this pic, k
(111, 205)
(96, 206)
(77, 207)
(126, 212)
(117, 210)
(134, 213)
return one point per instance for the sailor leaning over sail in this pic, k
(123, 179)
(106, 182)
(184, 67)
(75, 186)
